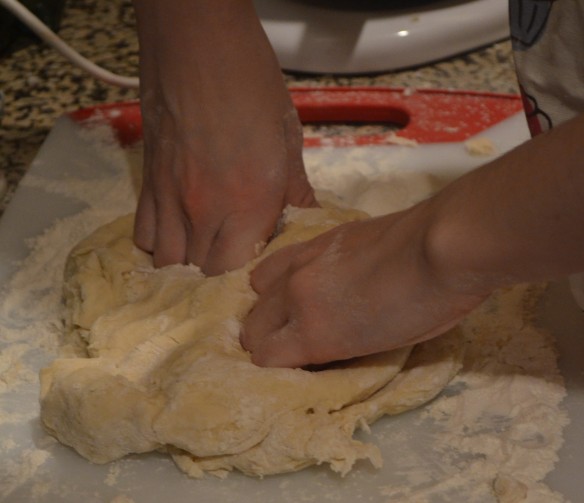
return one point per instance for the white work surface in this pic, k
(154, 478)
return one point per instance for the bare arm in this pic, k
(519, 218)
(222, 139)
(407, 277)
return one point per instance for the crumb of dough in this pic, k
(480, 146)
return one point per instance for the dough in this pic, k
(162, 368)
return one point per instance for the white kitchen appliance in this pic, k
(366, 36)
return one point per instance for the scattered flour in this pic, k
(113, 474)
(500, 425)
(490, 438)
(21, 469)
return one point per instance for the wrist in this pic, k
(454, 253)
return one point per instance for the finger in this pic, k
(170, 240)
(199, 240)
(281, 348)
(145, 223)
(286, 260)
(239, 240)
(272, 268)
(300, 193)
(269, 314)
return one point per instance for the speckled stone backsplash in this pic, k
(39, 85)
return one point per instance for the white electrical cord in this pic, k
(51, 38)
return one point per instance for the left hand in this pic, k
(361, 288)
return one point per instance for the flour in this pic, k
(113, 474)
(30, 308)
(490, 438)
(377, 187)
(21, 469)
(501, 427)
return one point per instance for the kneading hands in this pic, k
(223, 157)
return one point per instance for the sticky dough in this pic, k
(162, 368)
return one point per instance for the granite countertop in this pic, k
(39, 85)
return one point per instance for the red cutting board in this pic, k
(426, 116)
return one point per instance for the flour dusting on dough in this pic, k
(184, 385)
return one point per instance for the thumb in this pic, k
(269, 334)
(237, 242)
(279, 348)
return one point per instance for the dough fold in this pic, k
(160, 367)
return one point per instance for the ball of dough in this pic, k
(162, 368)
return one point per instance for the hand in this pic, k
(361, 288)
(396, 280)
(223, 143)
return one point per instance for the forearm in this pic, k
(519, 218)
(403, 278)
(214, 47)
(199, 33)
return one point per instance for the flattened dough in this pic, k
(163, 368)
